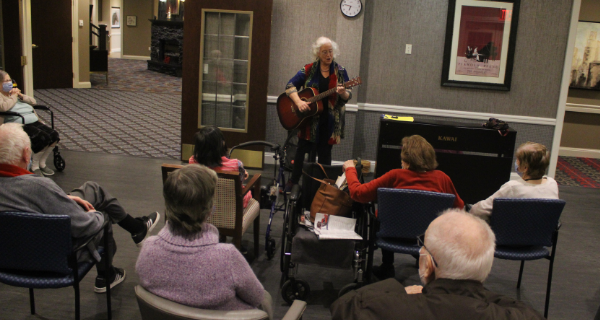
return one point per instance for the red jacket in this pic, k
(434, 180)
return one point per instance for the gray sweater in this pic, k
(30, 193)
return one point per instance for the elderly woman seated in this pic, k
(43, 138)
(418, 172)
(531, 164)
(185, 262)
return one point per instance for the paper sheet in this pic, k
(334, 227)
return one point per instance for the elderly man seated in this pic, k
(21, 190)
(455, 258)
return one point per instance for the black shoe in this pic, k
(243, 249)
(150, 222)
(100, 286)
(384, 271)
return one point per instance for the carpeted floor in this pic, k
(133, 75)
(579, 172)
(133, 123)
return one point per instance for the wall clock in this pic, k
(351, 8)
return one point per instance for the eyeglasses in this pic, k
(9, 80)
(421, 243)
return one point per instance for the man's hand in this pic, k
(414, 289)
(84, 204)
(348, 164)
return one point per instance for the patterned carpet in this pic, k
(133, 75)
(580, 172)
(134, 123)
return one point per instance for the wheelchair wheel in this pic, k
(347, 288)
(271, 248)
(298, 289)
(59, 162)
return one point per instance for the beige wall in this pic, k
(582, 130)
(136, 40)
(84, 40)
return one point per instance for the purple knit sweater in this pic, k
(201, 273)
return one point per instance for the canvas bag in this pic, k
(329, 199)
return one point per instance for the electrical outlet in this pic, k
(149, 48)
(81, 23)
(408, 49)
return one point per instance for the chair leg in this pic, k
(520, 274)
(256, 235)
(31, 301)
(548, 288)
(77, 306)
(108, 266)
(237, 241)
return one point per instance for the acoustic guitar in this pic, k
(289, 115)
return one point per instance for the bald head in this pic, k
(462, 246)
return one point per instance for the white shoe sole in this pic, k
(150, 230)
(112, 285)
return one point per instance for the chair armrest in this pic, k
(295, 193)
(10, 113)
(90, 238)
(255, 178)
(295, 311)
(40, 107)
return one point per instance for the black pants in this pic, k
(322, 149)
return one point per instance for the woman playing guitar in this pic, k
(326, 129)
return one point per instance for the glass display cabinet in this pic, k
(225, 47)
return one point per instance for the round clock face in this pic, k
(351, 8)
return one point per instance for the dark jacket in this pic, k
(441, 299)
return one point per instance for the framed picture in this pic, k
(480, 44)
(115, 17)
(173, 6)
(585, 68)
(132, 21)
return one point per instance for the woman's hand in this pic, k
(15, 91)
(246, 175)
(341, 90)
(303, 106)
(348, 164)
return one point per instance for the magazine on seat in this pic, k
(329, 227)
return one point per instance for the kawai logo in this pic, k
(451, 139)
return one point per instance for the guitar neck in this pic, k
(326, 93)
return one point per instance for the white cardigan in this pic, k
(519, 189)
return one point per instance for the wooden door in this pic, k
(52, 40)
(258, 60)
(12, 40)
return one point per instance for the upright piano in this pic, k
(477, 159)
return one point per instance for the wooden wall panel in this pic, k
(259, 73)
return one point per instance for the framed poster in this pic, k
(115, 17)
(480, 43)
(132, 21)
(585, 68)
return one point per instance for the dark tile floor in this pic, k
(137, 184)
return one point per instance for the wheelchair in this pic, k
(301, 246)
(59, 162)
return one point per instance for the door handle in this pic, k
(34, 46)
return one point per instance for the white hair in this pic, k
(316, 47)
(462, 245)
(13, 140)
